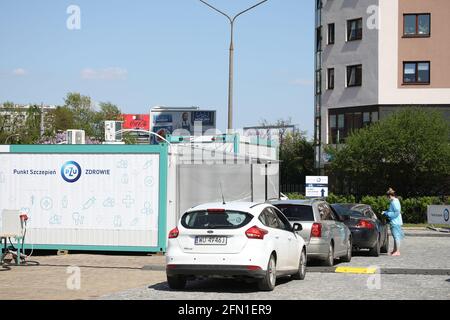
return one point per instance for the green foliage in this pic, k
(295, 196)
(61, 119)
(333, 198)
(76, 113)
(108, 111)
(414, 210)
(83, 113)
(407, 151)
(297, 158)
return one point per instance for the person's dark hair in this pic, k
(391, 192)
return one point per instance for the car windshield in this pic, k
(215, 219)
(296, 212)
(342, 210)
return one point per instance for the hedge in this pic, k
(414, 210)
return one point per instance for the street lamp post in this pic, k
(231, 62)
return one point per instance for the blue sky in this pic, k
(142, 53)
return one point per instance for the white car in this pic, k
(235, 240)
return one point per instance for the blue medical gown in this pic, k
(395, 219)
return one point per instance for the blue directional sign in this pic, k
(316, 186)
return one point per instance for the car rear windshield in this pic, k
(342, 210)
(296, 212)
(215, 219)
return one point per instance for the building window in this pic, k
(354, 76)
(366, 119)
(342, 122)
(319, 4)
(354, 29)
(417, 25)
(318, 82)
(319, 39)
(330, 79)
(416, 72)
(331, 33)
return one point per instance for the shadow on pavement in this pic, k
(217, 286)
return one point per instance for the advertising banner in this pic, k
(82, 191)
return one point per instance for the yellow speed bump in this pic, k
(355, 270)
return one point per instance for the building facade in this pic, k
(13, 116)
(374, 57)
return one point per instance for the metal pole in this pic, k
(231, 58)
(230, 80)
(42, 120)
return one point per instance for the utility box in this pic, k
(76, 137)
(113, 131)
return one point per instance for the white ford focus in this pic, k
(235, 240)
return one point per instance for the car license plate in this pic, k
(210, 241)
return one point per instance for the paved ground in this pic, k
(417, 253)
(124, 277)
(99, 275)
(315, 286)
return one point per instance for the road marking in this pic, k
(355, 270)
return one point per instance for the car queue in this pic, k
(260, 242)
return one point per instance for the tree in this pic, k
(30, 133)
(61, 119)
(297, 158)
(408, 151)
(83, 113)
(281, 127)
(108, 111)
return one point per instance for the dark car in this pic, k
(368, 231)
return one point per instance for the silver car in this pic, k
(326, 237)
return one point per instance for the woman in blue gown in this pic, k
(394, 214)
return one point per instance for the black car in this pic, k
(368, 231)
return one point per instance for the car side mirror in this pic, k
(297, 227)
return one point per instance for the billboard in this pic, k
(115, 192)
(136, 121)
(181, 121)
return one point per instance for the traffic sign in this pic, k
(316, 186)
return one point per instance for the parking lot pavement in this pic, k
(315, 286)
(417, 253)
(143, 277)
(99, 275)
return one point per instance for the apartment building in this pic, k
(15, 115)
(374, 57)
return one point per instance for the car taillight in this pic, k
(316, 230)
(215, 210)
(174, 233)
(253, 268)
(256, 233)
(365, 224)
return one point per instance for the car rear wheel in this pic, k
(375, 251)
(301, 273)
(329, 261)
(177, 282)
(268, 282)
(348, 256)
(385, 247)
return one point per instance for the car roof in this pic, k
(235, 205)
(352, 206)
(304, 202)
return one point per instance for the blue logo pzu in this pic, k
(71, 171)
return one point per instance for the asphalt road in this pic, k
(417, 253)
